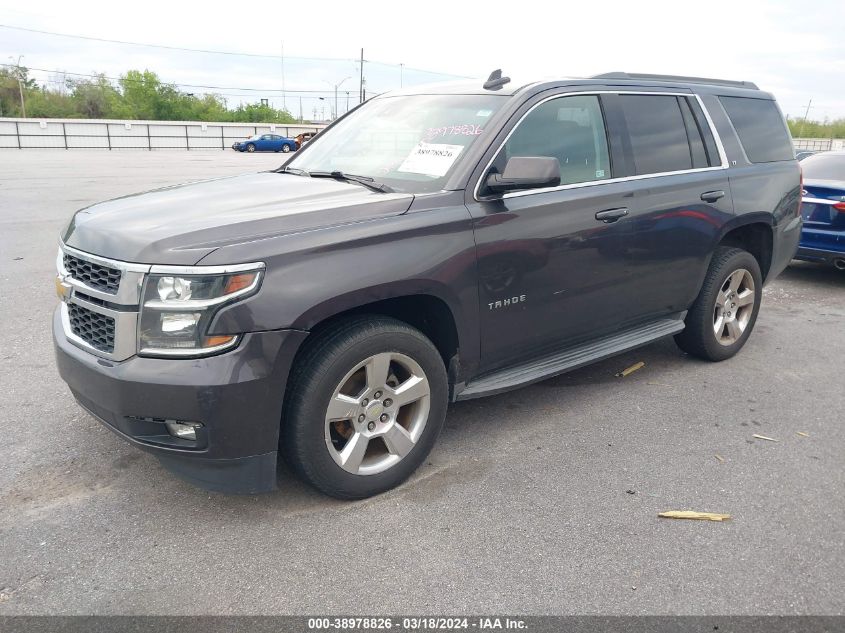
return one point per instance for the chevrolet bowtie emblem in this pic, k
(63, 289)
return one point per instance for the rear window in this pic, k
(760, 127)
(658, 134)
(824, 167)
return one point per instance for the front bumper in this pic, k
(237, 397)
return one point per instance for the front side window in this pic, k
(570, 129)
(658, 134)
(411, 143)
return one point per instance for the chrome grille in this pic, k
(97, 330)
(93, 275)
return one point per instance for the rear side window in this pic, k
(658, 134)
(698, 153)
(760, 127)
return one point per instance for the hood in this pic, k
(182, 224)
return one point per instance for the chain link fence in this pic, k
(135, 135)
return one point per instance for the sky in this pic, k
(793, 49)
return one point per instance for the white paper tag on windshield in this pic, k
(431, 159)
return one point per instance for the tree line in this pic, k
(142, 95)
(136, 95)
(799, 128)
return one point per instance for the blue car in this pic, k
(823, 209)
(266, 143)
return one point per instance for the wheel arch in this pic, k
(436, 314)
(752, 232)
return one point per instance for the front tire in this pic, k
(286, 149)
(365, 404)
(720, 321)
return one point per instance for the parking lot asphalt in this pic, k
(539, 501)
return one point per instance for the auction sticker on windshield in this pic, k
(431, 159)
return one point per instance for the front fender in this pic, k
(313, 276)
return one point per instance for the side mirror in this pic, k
(526, 172)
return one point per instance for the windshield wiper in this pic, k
(294, 170)
(366, 181)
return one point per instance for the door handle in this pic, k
(611, 215)
(712, 196)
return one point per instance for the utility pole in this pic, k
(347, 101)
(301, 120)
(401, 75)
(804, 120)
(361, 82)
(20, 83)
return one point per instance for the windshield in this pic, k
(410, 143)
(824, 167)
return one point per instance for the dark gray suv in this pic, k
(434, 244)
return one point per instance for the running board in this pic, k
(572, 358)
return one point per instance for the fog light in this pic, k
(184, 430)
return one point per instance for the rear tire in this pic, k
(725, 311)
(365, 404)
(250, 148)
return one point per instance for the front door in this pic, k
(550, 270)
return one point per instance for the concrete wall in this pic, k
(133, 135)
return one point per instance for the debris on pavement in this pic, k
(631, 492)
(720, 458)
(690, 514)
(763, 437)
(802, 434)
(630, 370)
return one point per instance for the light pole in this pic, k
(20, 83)
(401, 75)
(336, 86)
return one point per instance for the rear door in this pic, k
(680, 198)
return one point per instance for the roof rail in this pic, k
(678, 78)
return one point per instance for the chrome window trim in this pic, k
(527, 192)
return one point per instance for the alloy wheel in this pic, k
(377, 413)
(734, 307)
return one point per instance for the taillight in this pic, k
(840, 206)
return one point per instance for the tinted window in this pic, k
(709, 142)
(657, 132)
(570, 129)
(824, 167)
(760, 128)
(696, 143)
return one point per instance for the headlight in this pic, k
(178, 304)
